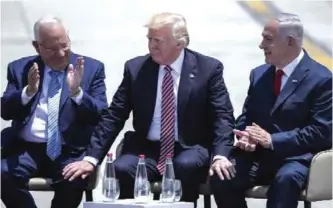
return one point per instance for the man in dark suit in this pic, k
(286, 120)
(180, 106)
(53, 107)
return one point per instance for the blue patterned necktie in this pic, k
(53, 148)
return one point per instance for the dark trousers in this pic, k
(190, 165)
(286, 180)
(30, 160)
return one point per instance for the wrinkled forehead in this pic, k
(52, 33)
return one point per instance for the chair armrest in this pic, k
(319, 185)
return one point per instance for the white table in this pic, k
(129, 203)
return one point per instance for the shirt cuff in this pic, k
(92, 160)
(216, 157)
(78, 99)
(24, 97)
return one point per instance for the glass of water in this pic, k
(167, 191)
(151, 195)
(141, 191)
(178, 190)
(111, 189)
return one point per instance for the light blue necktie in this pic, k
(53, 148)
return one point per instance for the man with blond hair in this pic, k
(180, 106)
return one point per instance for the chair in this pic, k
(44, 184)
(318, 188)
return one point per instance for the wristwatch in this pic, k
(76, 92)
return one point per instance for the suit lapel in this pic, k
(292, 83)
(65, 89)
(148, 76)
(187, 77)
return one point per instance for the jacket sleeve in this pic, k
(221, 111)
(112, 120)
(12, 107)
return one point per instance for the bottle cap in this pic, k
(141, 156)
(109, 154)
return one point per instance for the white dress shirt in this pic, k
(287, 70)
(154, 132)
(35, 130)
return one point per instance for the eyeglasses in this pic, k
(61, 47)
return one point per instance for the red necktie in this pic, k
(277, 82)
(167, 119)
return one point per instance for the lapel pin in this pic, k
(191, 75)
(294, 81)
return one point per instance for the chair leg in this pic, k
(89, 195)
(207, 201)
(307, 204)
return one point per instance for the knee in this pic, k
(124, 170)
(185, 163)
(186, 170)
(288, 178)
(121, 168)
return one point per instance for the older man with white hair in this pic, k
(286, 120)
(53, 100)
(180, 106)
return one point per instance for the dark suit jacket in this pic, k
(300, 118)
(205, 113)
(76, 122)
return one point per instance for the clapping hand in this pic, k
(260, 135)
(74, 75)
(33, 80)
(244, 141)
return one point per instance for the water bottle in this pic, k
(141, 185)
(168, 181)
(109, 180)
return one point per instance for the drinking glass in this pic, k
(178, 190)
(111, 190)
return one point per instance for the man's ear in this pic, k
(291, 41)
(35, 45)
(180, 45)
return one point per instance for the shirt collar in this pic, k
(292, 65)
(178, 63)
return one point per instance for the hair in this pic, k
(291, 25)
(177, 23)
(48, 19)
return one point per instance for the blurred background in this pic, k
(112, 31)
